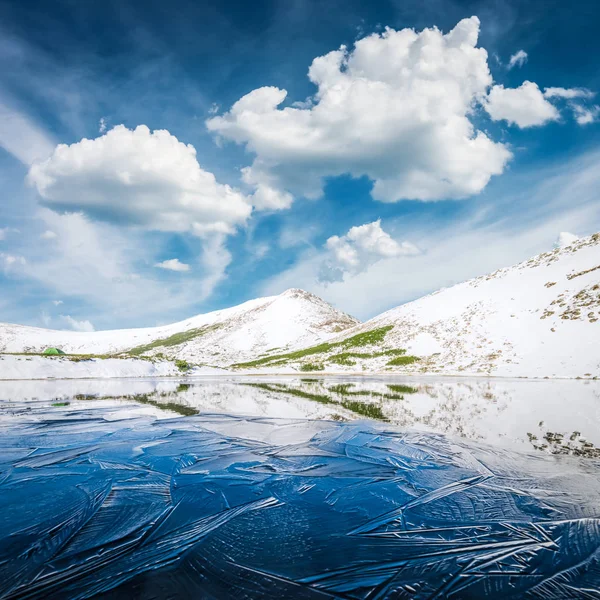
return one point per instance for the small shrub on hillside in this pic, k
(183, 365)
(312, 367)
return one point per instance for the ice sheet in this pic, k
(219, 506)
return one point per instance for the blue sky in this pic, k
(202, 164)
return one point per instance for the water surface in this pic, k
(558, 416)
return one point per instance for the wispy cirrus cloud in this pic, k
(518, 59)
(22, 137)
(577, 100)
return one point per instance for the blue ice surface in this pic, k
(217, 506)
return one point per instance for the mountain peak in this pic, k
(218, 338)
(297, 293)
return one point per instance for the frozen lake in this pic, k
(299, 488)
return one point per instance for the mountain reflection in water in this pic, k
(555, 416)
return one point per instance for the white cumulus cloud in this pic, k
(76, 325)
(148, 180)
(173, 264)
(138, 177)
(48, 235)
(518, 59)
(359, 249)
(524, 106)
(396, 108)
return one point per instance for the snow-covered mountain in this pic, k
(291, 320)
(540, 318)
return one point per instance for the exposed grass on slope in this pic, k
(367, 338)
(90, 397)
(573, 275)
(269, 351)
(400, 361)
(342, 359)
(372, 411)
(176, 339)
(345, 358)
(71, 357)
(182, 365)
(84, 357)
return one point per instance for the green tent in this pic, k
(52, 351)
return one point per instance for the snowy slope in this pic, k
(290, 320)
(539, 318)
(33, 368)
